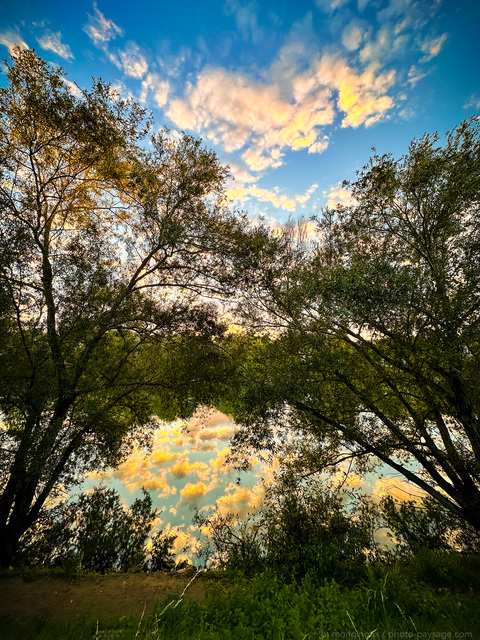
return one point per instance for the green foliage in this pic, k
(234, 543)
(109, 256)
(302, 529)
(426, 525)
(160, 554)
(265, 607)
(98, 533)
(374, 354)
(311, 529)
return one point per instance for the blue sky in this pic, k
(293, 96)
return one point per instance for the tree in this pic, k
(233, 542)
(97, 533)
(109, 252)
(161, 556)
(375, 349)
(426, 525)
(301, 527)
(310, 527)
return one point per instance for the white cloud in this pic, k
(473, 101)
(337, 194)
(279, 200)
(307, 195)
(288, 106)
(74, 88)
(154, 83)
(241, 176)
(133, 61)
(353, 35)
(12, 39)
(245, 19)
(99, 29)
(431, 47)
(52, 41)
(238, 112)
(120, 90)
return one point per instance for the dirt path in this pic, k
(62, 598)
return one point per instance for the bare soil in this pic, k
(64, 598)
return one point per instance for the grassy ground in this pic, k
(405, 601)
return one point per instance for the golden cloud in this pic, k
(141, 471)
(362, 97)
(286, 112)
(183, 468)
(338, 195)
(398, 488)
(192, 493)
(238, 112)
(158, 458)
(240, 500)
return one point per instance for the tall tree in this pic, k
(108, 253)
(376, 350)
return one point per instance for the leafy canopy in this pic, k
(373, 352)
(110, 255)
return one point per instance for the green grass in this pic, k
(390, 603)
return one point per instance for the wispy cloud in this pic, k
(330, 5)
(388, 42)
(12, 39)
(132, 61)
(415, 74)
(245, 18)
(100, 29)
(473, 101)
(52, 41)
(279, 200)
(431, 47)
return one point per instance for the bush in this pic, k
(302, 528)
(427, 525)
(98, 533)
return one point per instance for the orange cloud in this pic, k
(398, 488)
(192, 493)
(338, 195)
(238, 112)
(183, 468)
(240, 500)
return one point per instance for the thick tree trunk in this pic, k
(12, 531)
(8, 548)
